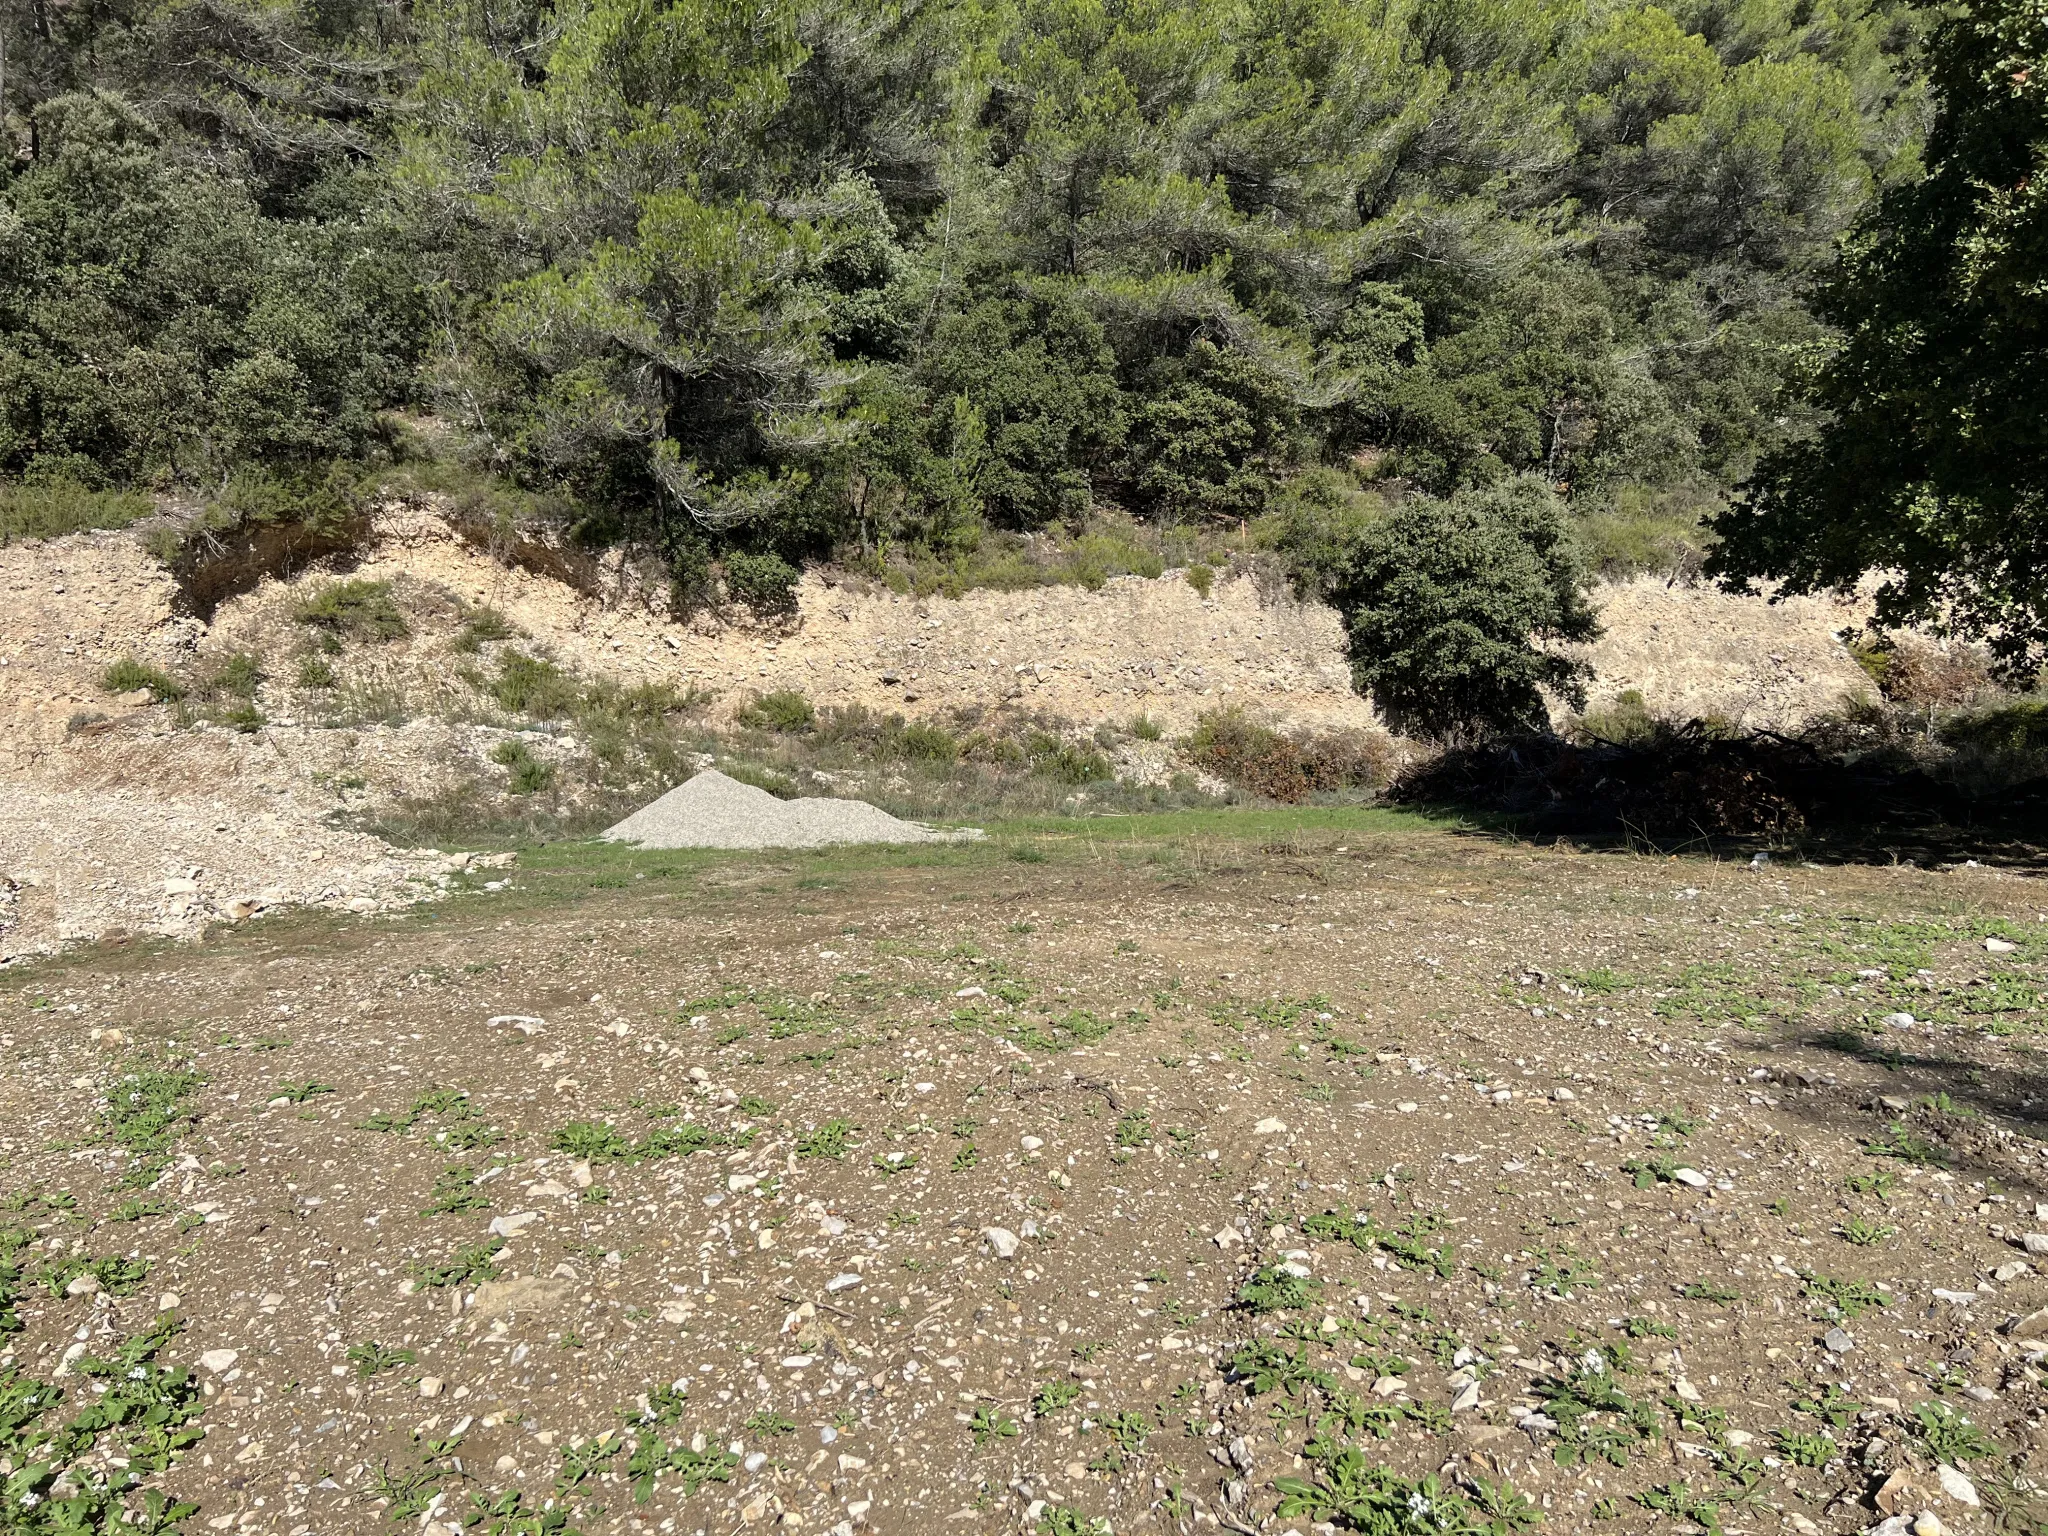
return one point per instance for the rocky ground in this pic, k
(1261, 1171)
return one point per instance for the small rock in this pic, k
(430, 1386)
(1467, 1399)
(1002, 1242)
(1407, 1107)
(1958, 1486)
(1031, 1143)
(514, 1224)
(1564, 1096)
(526, 1024)
(2006, 1273)
(1228, 1237)
(1928, 1523)
(1837, 1341)
(1687, 1390)
(1691, 1178)
(2033, 1326)
(218, 1360)
(82, 1285)
(842, 1282)
(1995, 946)
(1955, 1298)
(1897, 1021)
(2034, 1242)
(1270, 1127)
(1802, 1525)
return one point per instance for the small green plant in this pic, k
(828, 1140)
(1843, 1298)
(128, 674)
(1864, 1234)
(1949, 1436)
(369, 1358)
(1708, 1290)
(1274, 1289)
(454, 1194)
(1134, 1129)
(471, 1262)
(1881, 1182)
(767, 1422)
(1201, 578)
(1145, 728)
(1052, 1396)
(1834, 1406)
(1805, 1449)
(299, 1093)
(1065, 1520)
(1908, 1147)
(990, 1424)
(316, 672)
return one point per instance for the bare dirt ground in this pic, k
(1252, 1171)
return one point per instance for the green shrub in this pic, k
(529, 775)
(314, 672)
(527, 685)
(1065, 762)
(479, 625)
(1201, 578)
(360, 610)
(47, 511)
(237, 675)
(765, 583)
(925, 744)
(1445, 602)
(785, 710)
(2020, 727)
(1145, 728)
(128, 674)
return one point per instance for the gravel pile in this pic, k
(714, 811)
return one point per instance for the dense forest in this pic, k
(761, 282)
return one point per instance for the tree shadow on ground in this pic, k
(1691, 790)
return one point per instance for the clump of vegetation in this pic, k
(55, 508)
(128, 674)
(529, 775)
(1264, 762)
(354, 610)
(785, 710)
(531, 686)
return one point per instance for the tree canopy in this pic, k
(1933, 464)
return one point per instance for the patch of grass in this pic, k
(357, 610)
(1708, 1290)
(530, 686)
(51, 511)
(115, 1276)
(1805, 1449)
(299, 1093)
(128, 674)
(148, 1109)
(601, 1142)
(1908, 1147)
(1052, 1396)
(317, 672)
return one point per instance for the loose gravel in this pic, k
(714, 811)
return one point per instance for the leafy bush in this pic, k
(1201, 578)
(1445, 602)
(128, 674)
(315, 672)
(925, 744)
(765, 583)
(359, 610)
(60, 507)
(786, 711)
(1065, 762)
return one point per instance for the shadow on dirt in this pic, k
(1694, 790)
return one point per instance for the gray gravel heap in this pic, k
(714, 811)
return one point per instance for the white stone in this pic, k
(1270, 1127)
(1996, 946)
(1564, 1095)
(843, 1282)
(1228, 1237)
(430, 1386)
(1692, 1178)
(1003, 1242)
(514, 1224)
(1957, 1486)
(218, 1360)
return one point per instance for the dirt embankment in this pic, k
(109, 798)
